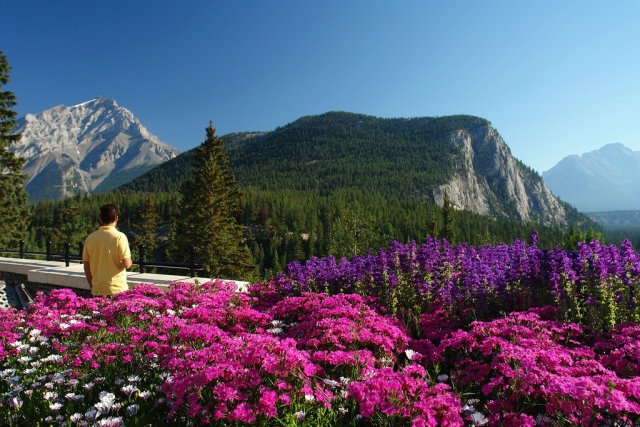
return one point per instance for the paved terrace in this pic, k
(48, 275)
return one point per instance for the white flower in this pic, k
(342, 410)
(468, 409)
(129, 389)
(344, 380)
(309, 397)
(36, 364)
(70, 396)
(107, 397)
(410, 353)
(443, 377)
(33, 350)
(48, 385)
(133, 378)
(102, 407)
(7, 373)
(52, 358)
(29, 371)
(15, 402)
(75, 417)
(478, 419)
(277, 323)
(111, 422)
(24, 359)
(88, 386)
(331, 383)
(91, 414)
(34, 332)
(275, 331)
(144, 395)
(50, 395)
(55, 406)
(28, 393)
(64, 326)
(300, 415)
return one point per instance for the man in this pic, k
(106, 255)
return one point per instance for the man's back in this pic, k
(104, 250)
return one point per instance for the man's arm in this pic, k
(126, 263)
(87, 273)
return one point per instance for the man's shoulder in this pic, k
(92, 235)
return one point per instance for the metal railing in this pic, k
(141, 262)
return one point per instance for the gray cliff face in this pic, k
(490, 181)
(79, 149)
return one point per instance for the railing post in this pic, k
(81, 249)
(141, 248)
(192, 262)
(21, 248)
(67, 246)
(48, 250)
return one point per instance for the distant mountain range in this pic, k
(621, 220)
(607, 179)
(420, 158)
(93, 146)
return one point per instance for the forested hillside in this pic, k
(334, 151)
(336, 184)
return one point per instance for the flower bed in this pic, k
(423, 336)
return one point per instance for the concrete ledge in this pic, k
(24, 266)
(55, 273)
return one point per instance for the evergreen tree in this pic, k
(447, 218)
(147, 229)
(14, 214)
(352, 234)
(208, 209)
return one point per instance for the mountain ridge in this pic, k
(420, 157)
(92, 145)
(605, 179)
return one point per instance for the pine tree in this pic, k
(147, 229)
(447, 218)
(14, 211)
(208, 209)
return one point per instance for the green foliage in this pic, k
(575, 236)
(447, 218)
(14, 214)
(146, 231)
(353, 233)
(301, 182)
(208, 210)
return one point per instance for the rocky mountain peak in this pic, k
(605, 179)
(94, 145)
(488, 180)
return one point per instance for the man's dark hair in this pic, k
(108, 213)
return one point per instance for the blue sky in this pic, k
(554, 77)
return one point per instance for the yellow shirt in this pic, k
(103, 250)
